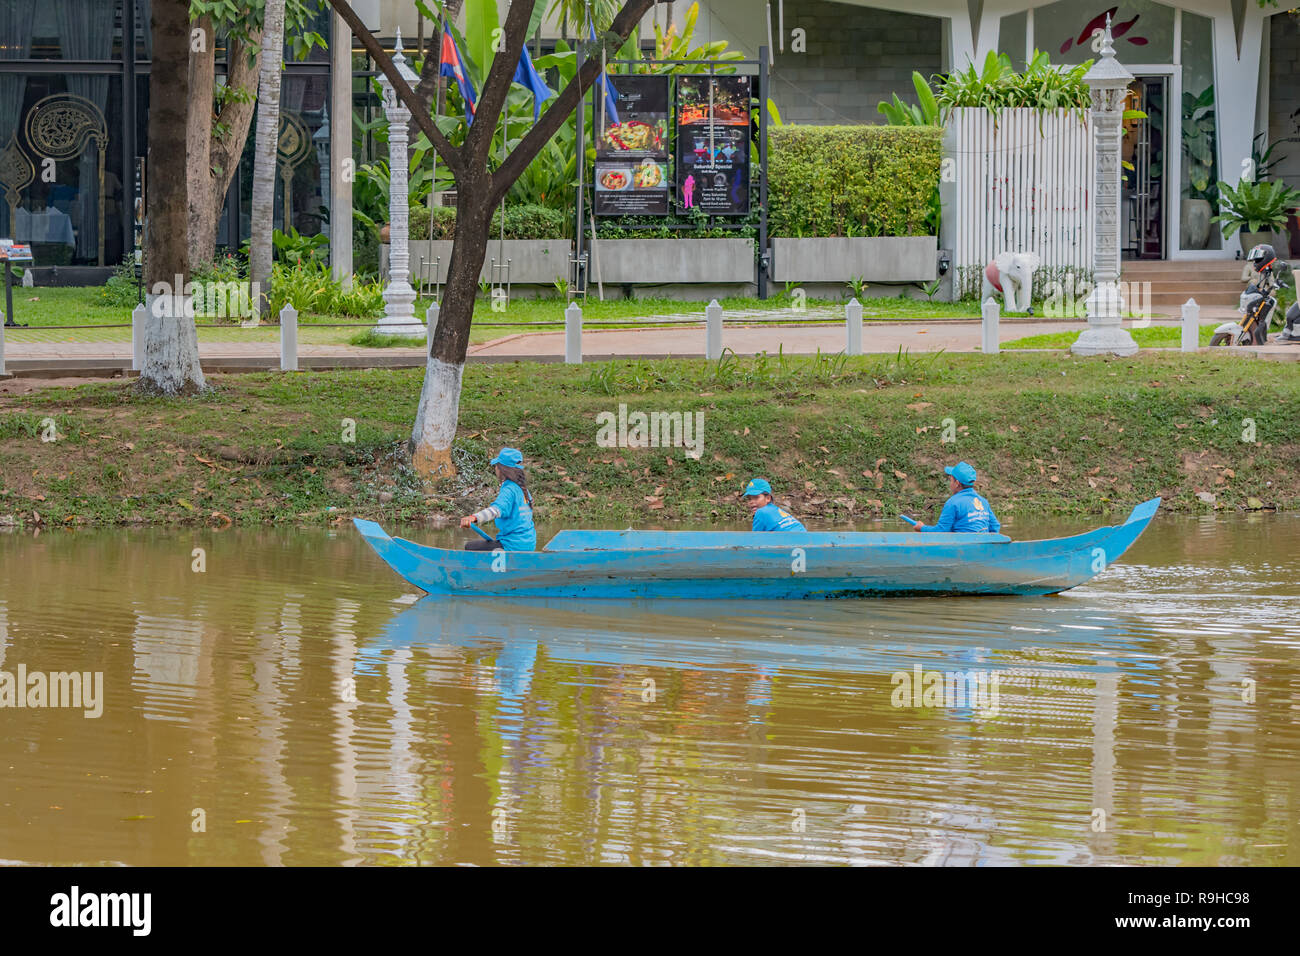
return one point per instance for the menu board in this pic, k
(11, 251)
(632, 152)
(713, 144)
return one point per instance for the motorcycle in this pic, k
(1258, 303)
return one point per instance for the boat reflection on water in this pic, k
(768, 637)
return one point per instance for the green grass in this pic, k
(275, 448)
(1151, 337)
(44, 308)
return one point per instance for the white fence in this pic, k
(1017, 180)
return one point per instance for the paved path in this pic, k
(109, 358)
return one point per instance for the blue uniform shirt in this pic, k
(515, 526)
(966, 511)
(770, 517)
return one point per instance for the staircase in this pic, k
(1214, 284)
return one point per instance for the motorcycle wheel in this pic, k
(1221, 338)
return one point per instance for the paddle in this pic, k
(481, 532)
(912, 521)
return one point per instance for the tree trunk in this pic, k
(171, 347)
(198, 146)
(435, 421)
(264, 157)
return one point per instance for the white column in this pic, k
(137, 337)
(573, 334)
(341, 161)
(1236, 88)
(1108, 81)
(713, 330)
(288, 339)
(990, 340)
(399, 297)
(1191, 337)
(853, 319)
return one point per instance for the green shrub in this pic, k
(525, 221)
(444, 222)
(852, 180)
(121, 290)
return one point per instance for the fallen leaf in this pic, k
(1015, 428)
(1053, 479)
(900, 475)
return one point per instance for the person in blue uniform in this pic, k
(767, 515)
(966, 510)
(512, 510)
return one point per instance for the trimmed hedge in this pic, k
(522, 222)
(852, 180)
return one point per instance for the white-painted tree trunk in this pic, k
(435, 420)
(265, 150)
(171, 347)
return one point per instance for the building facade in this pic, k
(1216, 78)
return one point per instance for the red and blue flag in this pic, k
(450, 64)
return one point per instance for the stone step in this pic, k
(1161, 300)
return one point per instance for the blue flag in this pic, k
(526, 75)
(606, 87)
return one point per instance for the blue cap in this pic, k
(756, 487)
(963, 472)
(510, 457)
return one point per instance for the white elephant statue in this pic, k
(1012, 274)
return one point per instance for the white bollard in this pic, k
(431, 322)
(989, 313)
(137, 337)
(1191, 341)
(573, 335)
(713, 330)
(288, 339)
(853, 318)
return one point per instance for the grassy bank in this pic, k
(839, 438)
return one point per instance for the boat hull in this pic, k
(787, 566)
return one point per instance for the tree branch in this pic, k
(565, 103)
(497, 85)
(450, 155)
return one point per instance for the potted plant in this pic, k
(1202, 193)
(1256, 209)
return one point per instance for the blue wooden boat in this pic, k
(764, 565)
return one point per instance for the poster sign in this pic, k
(11, 251)
(632, 152)
(713, 144)
(138, 219)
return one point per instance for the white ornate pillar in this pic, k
(1108, 82)
(399, 297)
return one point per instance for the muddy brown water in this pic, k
(292, 704)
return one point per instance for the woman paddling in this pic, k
(512, 510)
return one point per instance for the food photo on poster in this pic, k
(632, 148)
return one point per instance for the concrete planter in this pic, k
(717, 261)
(877, 259)
(539, 261)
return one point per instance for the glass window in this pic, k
(1011, 38)
(1143, 31)
(68, 139)
(75, 29)
(1199, 186)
